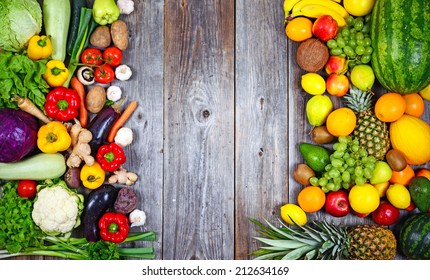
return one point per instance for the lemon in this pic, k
(318, 108)
(425, 93)
(398, 195)
(364, 199)
(292, 213)
(358, 8)
(313, 83)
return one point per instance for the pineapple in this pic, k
(370, 131)
(324, 241)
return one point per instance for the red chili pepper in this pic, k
(110, 156)
(114, 227)
(62, 104)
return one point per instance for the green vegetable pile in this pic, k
(19, 236)
(20, 76)
(17, 230)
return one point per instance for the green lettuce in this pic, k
(19, 21)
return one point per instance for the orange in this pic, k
(390, 107)
(403, 177)
(299, 29)
(311, 199)
(414, 104)
(341, 122)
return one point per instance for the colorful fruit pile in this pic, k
(367, 156)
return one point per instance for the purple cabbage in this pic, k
(18, 134)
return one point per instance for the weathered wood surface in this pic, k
(220, 115)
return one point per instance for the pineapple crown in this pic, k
(320, 240)
(358, 100)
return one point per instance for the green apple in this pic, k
(362, 77)
(382, 173)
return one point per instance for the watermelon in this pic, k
(414, 237)
(400, 33)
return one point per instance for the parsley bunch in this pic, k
(17, 230)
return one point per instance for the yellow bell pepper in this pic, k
(39, 47)
(56, 73)
(53, 137)
(92, 176)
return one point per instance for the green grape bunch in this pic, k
(349, 165)
(353, 41)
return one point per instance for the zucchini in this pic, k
(75, 16)
(56, 20)
(41, 166)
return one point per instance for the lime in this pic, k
(398, 195)
(313, 83)
(293, 214)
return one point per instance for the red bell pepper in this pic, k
(110, 156)
(114, 227)
(62, 103)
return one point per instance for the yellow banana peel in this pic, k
(315, 11)
(327, 3)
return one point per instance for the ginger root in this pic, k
(81, 149)
(122, 176)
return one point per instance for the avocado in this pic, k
(420, 193)
(317, 157)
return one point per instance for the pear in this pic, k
(362, 77)
(318, 108)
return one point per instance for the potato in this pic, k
(95, 99)
(119, 34)
(101, 37)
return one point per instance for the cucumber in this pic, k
(56, 20)
(75, 16)
(41, 166)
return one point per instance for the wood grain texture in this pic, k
(262, 97)
(199, 129)
(221, 113)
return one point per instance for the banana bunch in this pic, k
(315, 9)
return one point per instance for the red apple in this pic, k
(337, 84)
(337, 203)
(325, 28)
(386, 214)
(336, 64)
(424, 172)
(360, 215)
(411, 206)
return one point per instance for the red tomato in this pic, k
(92, 56)
(104, 74)
(27, 188)
(112, 56)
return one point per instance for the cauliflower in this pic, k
(125, 6)
(57, 209)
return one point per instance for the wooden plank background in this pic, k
(220, 115)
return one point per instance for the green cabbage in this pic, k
(19, 21)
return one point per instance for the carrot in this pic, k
(80, 89)
(28, 106)
(125, 115)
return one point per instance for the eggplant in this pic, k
(98, 202)
(100, 126)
